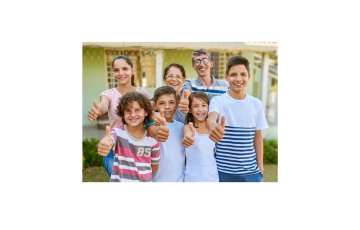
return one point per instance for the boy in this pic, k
(137, 154)
(172, 166)
(242, 118)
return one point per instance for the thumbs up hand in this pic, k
(189, 133)
(105, 144)
(94, 112)
(184, 103)
(157, 120)
(217, 133)
(163, 132)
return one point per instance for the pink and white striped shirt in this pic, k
(133, 157)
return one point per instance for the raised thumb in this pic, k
(161, 113)
(107, 134)
(163, 121)
(223, 122)
(96, 105)
(191, 126)
(186, 95)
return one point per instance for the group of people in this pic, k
(202, 130)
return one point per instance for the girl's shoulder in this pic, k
(143, 91)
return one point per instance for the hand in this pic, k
(261, 169)
(217, 133)
(94, 112)
(157, 120)
(184, 103)
(163, 132)
(189, 138)
(105, 144)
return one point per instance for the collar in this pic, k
(214, 81)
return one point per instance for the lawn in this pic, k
(99, 174)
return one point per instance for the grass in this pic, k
(99, 174)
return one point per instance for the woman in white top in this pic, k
(200, 160)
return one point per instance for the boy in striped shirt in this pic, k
(137, 154)
(239, 143)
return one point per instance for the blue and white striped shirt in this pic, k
(218, 87)
(235, 153)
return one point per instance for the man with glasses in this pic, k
(204, 82)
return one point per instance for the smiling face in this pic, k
(174, 82)
(202, 70)
(238, 78)
(122, 72)
(199, 109)
(134, 115)
(168, 103)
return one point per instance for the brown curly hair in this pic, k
(126, 102)
(200, 96)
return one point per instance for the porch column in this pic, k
(158, 68)
(264, 79)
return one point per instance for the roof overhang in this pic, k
(227, 46)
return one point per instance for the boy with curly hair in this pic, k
(137, 153)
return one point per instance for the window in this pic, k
(111, 54)
(219, 60)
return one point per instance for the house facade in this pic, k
(150, 59)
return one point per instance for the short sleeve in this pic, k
(214, 105)
(186, 85)
(155, 152)
(108, 94)
(113, 137)
(143, 91)
(261, 122)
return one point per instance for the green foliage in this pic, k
(83, 160)
(270, 151)
(90, 153)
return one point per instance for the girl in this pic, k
(200, 160)
(137, 154)
(124, 74)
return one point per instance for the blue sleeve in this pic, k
(186, 85)
(148, 123)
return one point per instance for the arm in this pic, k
(99, 108)
(258, 145)
(154, 167)
(217, 131)
(189, 133)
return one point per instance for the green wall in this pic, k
(93, 79)
(182, 57)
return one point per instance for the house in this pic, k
(150, 59)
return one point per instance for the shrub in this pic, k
(83, 160)
(90, 153)
(270, 151)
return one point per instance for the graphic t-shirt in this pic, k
(133, 157)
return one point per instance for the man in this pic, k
(202, 64)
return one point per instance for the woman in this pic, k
(124, 74)
(174, 76)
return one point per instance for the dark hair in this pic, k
(198, 52)
(126, 102)
(177, 66)
(237, 60)
(201, 96)
(128, 60)
(164, 90)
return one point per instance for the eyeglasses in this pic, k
(205, 61)
(178, 77)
